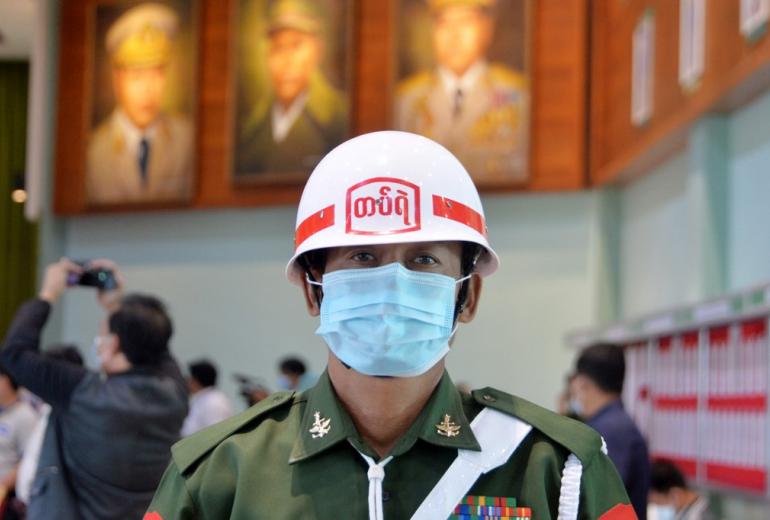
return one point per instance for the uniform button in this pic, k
(385, 495)
(488, 398)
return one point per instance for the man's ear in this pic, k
(472, 300)
(311, 293)
(114, 344)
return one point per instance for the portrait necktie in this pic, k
(458, 103)
(144, 158)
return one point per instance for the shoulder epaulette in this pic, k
(189, 450)
(506, 75)
(578, 438)
(421, 79)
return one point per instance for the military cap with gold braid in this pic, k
(300, 15)
(142, 36)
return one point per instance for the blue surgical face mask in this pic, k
(665, 512)
(576, 406)
(284, 383)
(388, 321)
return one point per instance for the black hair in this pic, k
(204, 372)
(11, 380)
(664, 475)
(143, 327)
(292, 365)
(605, 365)
(65, 352)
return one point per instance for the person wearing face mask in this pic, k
(109, 432)
(293, 375)
(595, 390)
(390, 251)
(672, 497)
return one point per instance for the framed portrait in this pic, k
(463, 79)
(140, 102)
(292, 82)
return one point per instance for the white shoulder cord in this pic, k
(376, 475)
(499, 435)
(569, 495)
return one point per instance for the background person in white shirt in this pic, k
(17, 420)
(208, 404)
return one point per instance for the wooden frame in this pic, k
(558, 155)
(736, 70)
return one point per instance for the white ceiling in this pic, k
(16, 25)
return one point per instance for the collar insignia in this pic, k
(321, 426)
(447, 428)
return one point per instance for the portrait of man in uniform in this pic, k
(140, 148)
(465, 84)
(292, 102)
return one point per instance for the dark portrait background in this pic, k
(180, 92)
(415, 48)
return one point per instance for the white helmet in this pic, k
(387, 188)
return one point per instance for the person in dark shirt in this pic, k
(110, 432)
(596, 388)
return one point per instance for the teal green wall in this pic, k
(221, 273)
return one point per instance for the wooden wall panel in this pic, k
(559, 66)
(735, 72)
(560, 95)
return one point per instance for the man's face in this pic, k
(292, 58)
(659, 499)
(431, 257)
(577, 386)
(461, 36)
(139, 91)
(6, 388)
(106, 347)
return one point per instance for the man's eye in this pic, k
(362, 257)
(425, 260)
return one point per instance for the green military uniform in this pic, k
(322, 125)
(297, 456)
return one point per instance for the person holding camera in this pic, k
(110, 432)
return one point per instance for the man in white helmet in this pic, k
(391, 248)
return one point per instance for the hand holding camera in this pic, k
(101, 274)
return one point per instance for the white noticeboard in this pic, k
(692, 42)
(754, 17)
(643, 69)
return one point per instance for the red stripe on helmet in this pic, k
(453, 210)
(316, 222)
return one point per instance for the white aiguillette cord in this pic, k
(376, 475)
(498, 435)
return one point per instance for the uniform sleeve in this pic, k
(172, 500)
(602, 494)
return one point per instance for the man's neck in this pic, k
(599, 402)
(8, 400)
(382, 409)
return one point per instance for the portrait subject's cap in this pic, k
(300, 15)
(438, 5)
(142, 36)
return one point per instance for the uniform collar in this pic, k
(323, 400)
